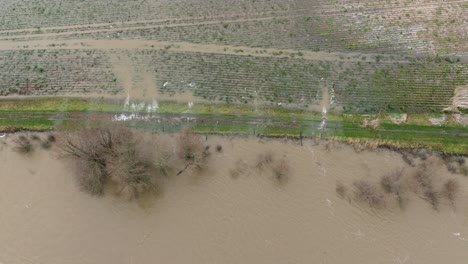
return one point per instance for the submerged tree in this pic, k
(192, 150)
(115, 153)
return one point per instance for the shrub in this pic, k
(432, 197)
(240, 168)
(219, 148)
(162, 156)
(452, 167)
(264, 159)
(35, 137)
(450, 190)
(90, 176)
(464, 170)
(45, 144)
(51, 138)
(22, 145)
(368, 193)
(341, 190)
(408, 158)
(132, 170)
(392, 182)
(423, 179)
(281, 169)
(117, 154)
(191, 149)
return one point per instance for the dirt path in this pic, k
(89, 44)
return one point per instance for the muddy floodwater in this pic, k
(214, 217)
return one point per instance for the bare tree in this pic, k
(368, 193)
(281, 170)
(341, 189)
(22, 145)
(192, 150)
(264, 160)
(450, 190)
(115, 153)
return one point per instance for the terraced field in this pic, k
(342, 56)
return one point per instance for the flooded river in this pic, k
(214, 217)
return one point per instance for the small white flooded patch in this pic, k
(399, 118)
(323, 124)
(153, 107)
(165, 84)
(437, 121)
(137, 111)
(137, 107)
(134, 116)
(189, 107)
(332, 96)
(192, 84)
(127, 102)
(3, 135)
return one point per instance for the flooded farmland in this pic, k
(216, 216)
(160, 131)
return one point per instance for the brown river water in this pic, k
(216, 218)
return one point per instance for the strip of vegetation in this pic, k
(44, 114)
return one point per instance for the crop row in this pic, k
(358, 86)
(391, 26)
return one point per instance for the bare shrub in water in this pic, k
(281, 169)
(22, 145)
(131, 166)
(450, 190)
(368, 193)
(452, 167)
(393, 182)
(341, 189)
(90, 151)
(48, 141)
(432, 197)
(116, 154)
(219, 148)
(240, 167)
(163, 156)
(464, 170)
(35, 137)
(264, 159)
(90, 175)
(424, 180)
(51, 138)
(191, 149)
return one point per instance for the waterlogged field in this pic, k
(369, 57)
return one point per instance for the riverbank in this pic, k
(414, 131)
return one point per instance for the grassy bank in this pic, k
(48, 113)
